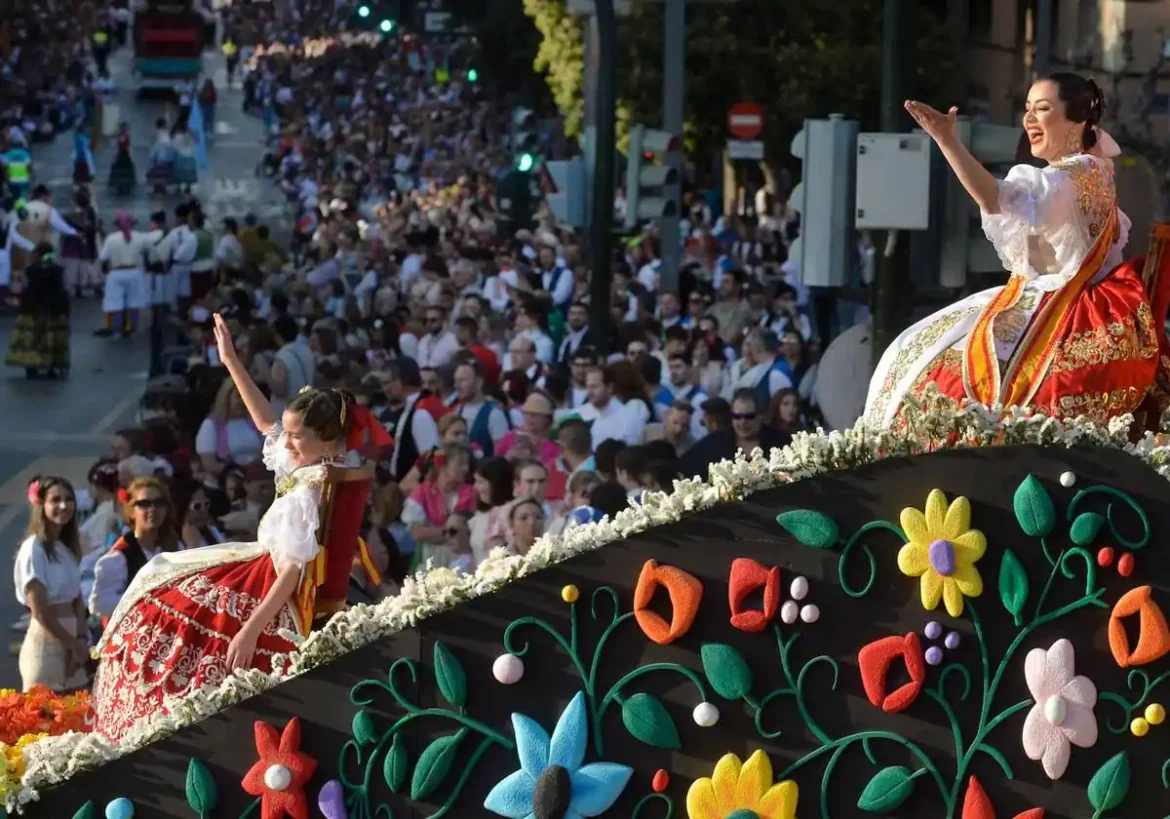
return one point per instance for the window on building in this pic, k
(979, 19)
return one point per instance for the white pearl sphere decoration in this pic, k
(799, 588)
(508, 669)
(810, 613)
(705, 715)
(277, 778)
(790, 611)
(1067, 479)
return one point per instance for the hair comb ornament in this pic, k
(34, 492)
(305, 389)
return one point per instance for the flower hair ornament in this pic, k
(34, 492)
(123, 496)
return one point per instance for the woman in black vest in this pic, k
(151, 515)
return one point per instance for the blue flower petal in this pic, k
(570, 736)
(512, 797)
(531, 744)
(596, 787)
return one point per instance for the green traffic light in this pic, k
(473, 75)
(386, 26)
(363, 11)
(526, 162)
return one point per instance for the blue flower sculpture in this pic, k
(551, 782)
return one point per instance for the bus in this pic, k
(169, 38)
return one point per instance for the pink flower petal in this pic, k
(1038, 734)
(1056, 755)
(1080, 726)
(1080, 690)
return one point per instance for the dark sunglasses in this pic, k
(451, 531)
(150, 503)
(743, 416)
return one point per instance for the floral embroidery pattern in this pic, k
(1063, 712)
(1099, 407)
(911, 354)
(742, 789)
(1093, 182)
(1130, 339)
(942, 550)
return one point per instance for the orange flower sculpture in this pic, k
(280, 775)
(42, 711)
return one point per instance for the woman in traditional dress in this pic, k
(1075, 331)
(190, 618)
(123, 177)
(162, 158)
(186, 170)
(83, 169)
(40, 341)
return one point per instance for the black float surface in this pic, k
(705, 545)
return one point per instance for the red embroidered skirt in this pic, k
(1106, 362)
(174, 641)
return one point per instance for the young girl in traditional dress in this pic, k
(123, 177)
(162, 158)
(173, 632)
(186, 169)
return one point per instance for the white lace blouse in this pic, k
(288, 530)
(1050, 217)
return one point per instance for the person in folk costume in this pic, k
(162, 158)
(40, 340)
(83, 167)
(164, 640)
(79, 254)
(1076, 330)
(10, 227)
(123, 256)
(43, 222)
(123, 177)
(186, 169)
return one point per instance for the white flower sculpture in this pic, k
(1063, 714)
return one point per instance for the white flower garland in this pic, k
(933, 425)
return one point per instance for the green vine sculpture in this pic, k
(929, 549)
(375, 752)
(644, 716)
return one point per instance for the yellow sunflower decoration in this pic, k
(943, 550)
(742, 790)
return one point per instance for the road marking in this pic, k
(111, 417)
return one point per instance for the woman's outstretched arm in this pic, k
(254, 400)
(975, 178)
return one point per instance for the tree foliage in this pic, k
(561, 58)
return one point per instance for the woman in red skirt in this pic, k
(190, 618)
(1076, 331)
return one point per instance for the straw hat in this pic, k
(537, 404)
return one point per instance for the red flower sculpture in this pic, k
(279, 777)
(976, 805)
(748, 576)
(875, 660)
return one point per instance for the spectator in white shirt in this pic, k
(607, 416)
(439, 344)
(416, 432)
(554, 278)
(528, 326)
(486, 421)
(766, 375)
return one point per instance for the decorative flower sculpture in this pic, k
(943, 549)
(1063, 712)
(551, 782)
(279, 777)
(743, 791)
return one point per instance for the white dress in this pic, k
(1048, 222)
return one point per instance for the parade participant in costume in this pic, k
(10, 224)
(83, 167)
(123, 255)
(79, 254)
(42, 222)
(40, 340)
(186, 168)
(1075, 331)
(123, 177)
(170, 634)
(162, 158)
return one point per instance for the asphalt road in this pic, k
(62, 427)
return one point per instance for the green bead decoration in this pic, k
(647, 720)
(202, 795)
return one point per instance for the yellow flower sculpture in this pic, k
(943, 549)
(742, 791)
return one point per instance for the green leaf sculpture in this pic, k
(1034, 509)
(1109, 786)
(727, 670)
(812, 528)
(1085, 527)
(201, 791)
(364, 730)
(87, 811)
(451, 677)
(887, 790)
(1013, 585)
(396, 764)
(646, 719)
(433, 764)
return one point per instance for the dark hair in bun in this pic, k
(1083, 102)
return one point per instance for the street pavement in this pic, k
(62, 427)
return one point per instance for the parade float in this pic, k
(962, 619)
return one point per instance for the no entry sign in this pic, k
(745, 120)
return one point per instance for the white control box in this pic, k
(893, 182)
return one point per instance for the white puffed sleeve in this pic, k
(276, 457)
(288, 530)
(1031, 201)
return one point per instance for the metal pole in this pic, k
(673, 100)
(1043, 38)
(891, 305)
(600, 233)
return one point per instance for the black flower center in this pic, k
(553, 794)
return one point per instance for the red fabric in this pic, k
(363, 429)
(557, 486)
(341, 542)
(175, 641)
(434, 405)
(489, 362)
(1066, 393)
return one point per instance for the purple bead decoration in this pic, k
(952, 641)
(934, 655)
(942, 557)
(933, 630)
(331, 801)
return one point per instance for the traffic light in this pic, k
(517, 196)
(525, 140)
(566, 194)
(824, 199)
(386, 26)
(472, 75)
(652, 190)
(363, 11)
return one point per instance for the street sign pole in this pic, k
(604, 23)
(673, 101)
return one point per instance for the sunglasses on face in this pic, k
(743, 416)
(452, 531)
(150, 503)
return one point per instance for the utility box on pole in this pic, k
(652, 190)
(893, 182)
(824, 199)
(567, 196)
